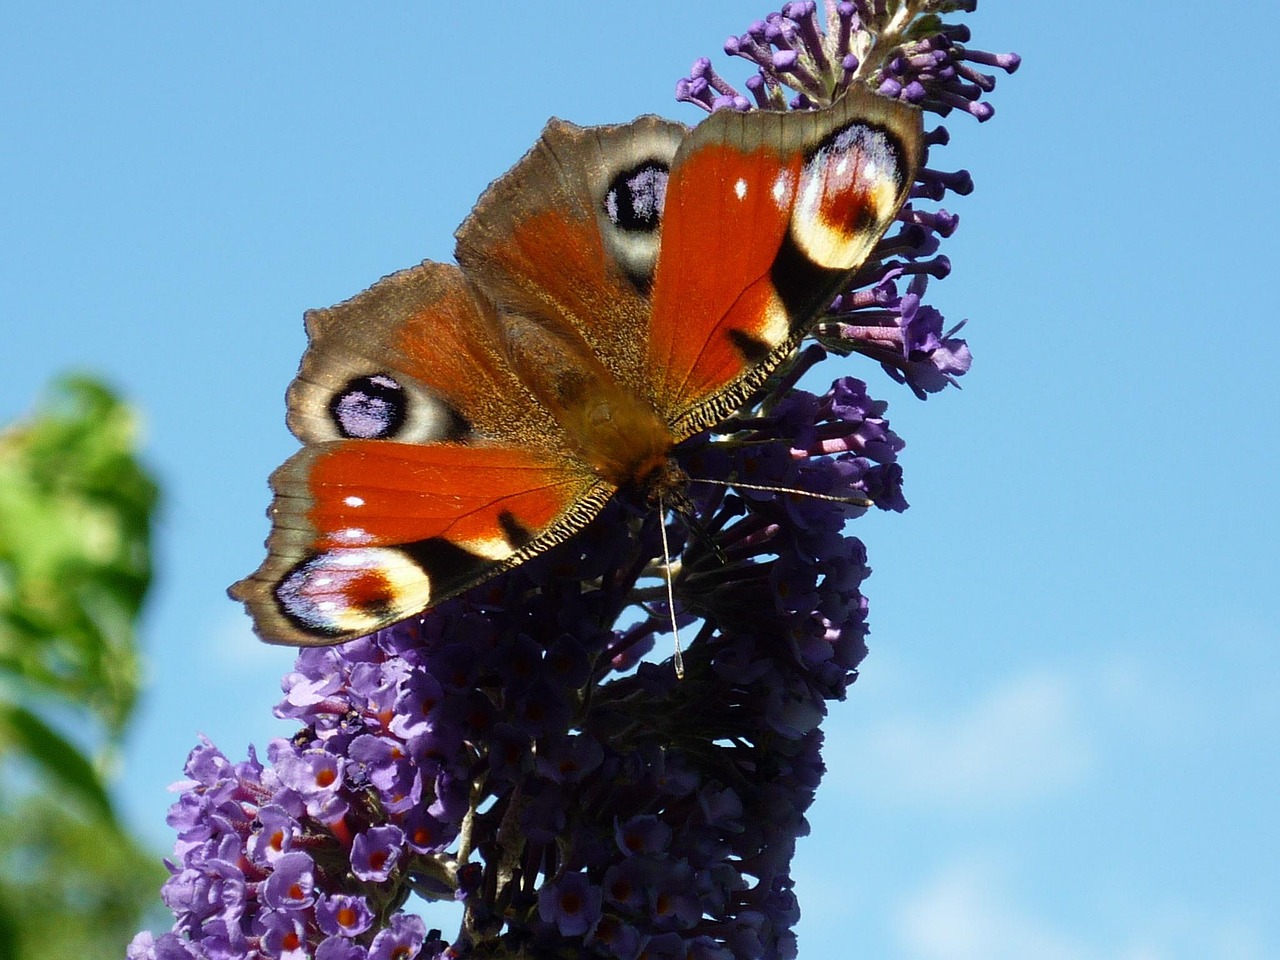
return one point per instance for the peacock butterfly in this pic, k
(619, 290)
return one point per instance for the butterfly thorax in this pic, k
(622, 437)
(615, 429)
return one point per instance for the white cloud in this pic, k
(971, 910)
(965, 914)
(1023, 740)
(1191, 931)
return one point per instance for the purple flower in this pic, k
(614, 938)
(376, 851)
(339, 948)
(570, 759)
(272, 836)
(342, 915)
(625, 883)
(290, 886)
(513, 750)
(315, 777)
(402, 939)
(167, 946)
(283, 934)
(665, 946)
(571, 903)
(642, 834)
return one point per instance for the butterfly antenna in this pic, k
(671, 593)
(852, 501)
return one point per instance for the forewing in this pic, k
(767, 215)
(570, 235)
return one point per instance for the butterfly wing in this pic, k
(427, 467)
(767, 215)
(564, 245)
(570, 236)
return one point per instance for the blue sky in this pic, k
(1064, 744)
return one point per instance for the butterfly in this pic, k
(619, 290)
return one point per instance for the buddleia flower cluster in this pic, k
(528, 750)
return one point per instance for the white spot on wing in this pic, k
(783, 189)
(740, 188)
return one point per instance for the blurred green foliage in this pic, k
(75, 562)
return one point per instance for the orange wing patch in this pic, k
(715, 309)
(373, 493)
(368, 532)
(767, 215)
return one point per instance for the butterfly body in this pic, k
(611, 427)
(617, 291)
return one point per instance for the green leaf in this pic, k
(75, 558)
(73, 888)
(60, 759)
(76, 508)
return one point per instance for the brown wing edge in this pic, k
(435, 334)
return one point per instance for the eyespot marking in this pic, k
(635, 197)
(347, 591)
(850, 187)
(369, 408)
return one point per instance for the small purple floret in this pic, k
(376, 852)
(571, 903)
(343, 915)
